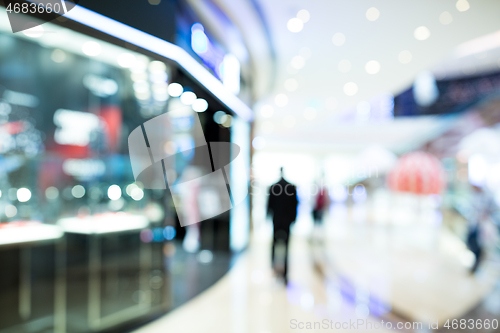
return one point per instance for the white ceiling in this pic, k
(321, 83)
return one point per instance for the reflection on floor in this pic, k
(193, 273)
(250, 300)
(399, 265)
(418, 268)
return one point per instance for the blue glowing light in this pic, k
(199, 41)
(169, 233)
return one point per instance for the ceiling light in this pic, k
(114, 192)
(137, 194)
(463, 5)
(130, 187)
(23, 194)
(372, 14)
(200, 105)
(266, 111)
(405, 57)
(295, 25)
(157, 66)
(350, 89)
(91, 49)
(422, 33)
(445, 18)
(372, 67)
(281, 100)
(338, 39)
(231, 73)
(298, 62)
(291, 85)
(303, 15)
(344, 66)
(175, 89)
(188, 98)
(126, 60)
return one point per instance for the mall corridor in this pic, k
(364, 264)
(249, 166)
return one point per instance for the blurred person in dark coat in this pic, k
(482, 207)
(282, 205)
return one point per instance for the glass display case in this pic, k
(70, 97)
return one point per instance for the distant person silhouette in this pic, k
(482, 207)
(320, 202)
(282, 205)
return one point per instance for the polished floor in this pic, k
(251, 300)
(420, 282)
(413, 265)
(401, 264)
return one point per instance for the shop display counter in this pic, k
(29, 280)
(115, 274)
